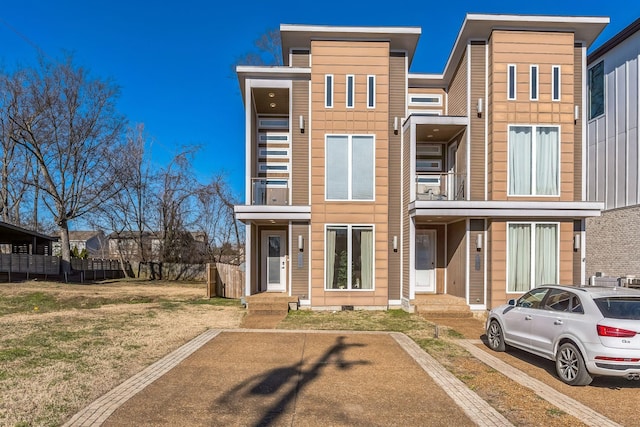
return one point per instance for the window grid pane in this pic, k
(350, 91)
(511, 82)
(534, 82)
(328, 91)
(337, 167)
(371, 91)
(596, 90)
(556, 83)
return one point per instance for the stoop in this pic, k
(266, 304)
(441, 306)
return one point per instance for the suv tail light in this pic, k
(608, 331)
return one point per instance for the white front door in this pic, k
(425, 260)
(274, 261)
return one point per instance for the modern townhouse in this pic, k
(613, 154)
(370, 186)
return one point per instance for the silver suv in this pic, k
(588, 331)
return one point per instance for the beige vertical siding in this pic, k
(456, 259)
(300, 275)
(524, 49)
(428, 91)
(300, 144)
(397, 102)
(457, 101)
(340, 59)
(577, 98)
(477, 126)
(406, 188)
(577, 255)
(476, 262)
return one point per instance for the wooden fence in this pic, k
(29, 264)
(225, 280)
(96, 269)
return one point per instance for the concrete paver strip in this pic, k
(562, 401)
(98, 411)
(476, 408)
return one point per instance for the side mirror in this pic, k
(512, 302)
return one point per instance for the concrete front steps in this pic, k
(436, 306)
(266, 310)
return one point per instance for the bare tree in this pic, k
(268, 51)
(67, 122)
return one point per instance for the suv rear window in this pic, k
(619, 307)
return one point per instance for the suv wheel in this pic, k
(495, 336)
(570, 365)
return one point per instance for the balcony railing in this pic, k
(440, 186)
(269, 191)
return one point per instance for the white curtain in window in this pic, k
(519, 242)
(546, 254)
(520, 169)
(366, 255)
(331, 256)
(547, 160)
(362, 168)
(337, 167)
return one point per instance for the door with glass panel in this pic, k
(425, 260)
(274, 261)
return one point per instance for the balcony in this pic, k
(440, 186)
(270, 192)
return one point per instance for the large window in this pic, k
(596, 90)
(534, 166)
(349, 167)
(349, 257)
(511, 82)
(532, 258)
(328, 91)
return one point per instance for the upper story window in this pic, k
(555, 83)
(511, 81)
(533, 82)
(349, 167)
(596, 90)
(426, 100)
(351, 83)
(371, 91)
(534, 165)
(328, 90)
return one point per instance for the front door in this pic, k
(425, 260)
(274, 261)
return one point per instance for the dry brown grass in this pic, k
(54, 363)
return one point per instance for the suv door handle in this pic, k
(527, 317)
(557, 322)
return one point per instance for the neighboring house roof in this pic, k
(614, 41)
(84, 235)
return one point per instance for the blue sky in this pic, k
(173, 60)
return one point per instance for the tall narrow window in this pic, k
(349, 252)
(371, 91)
(555, 83)
(596, 90)
(532, 251)
(328, 91)
(350, 90)
(511, 82)
(349, 167)
(534, 165)
(533, 85)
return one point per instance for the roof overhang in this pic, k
(505, 209)
(12, 232)
(295, 36)
(480, 26)
(274, 73)
(272, 214)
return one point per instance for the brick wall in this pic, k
(613, 243)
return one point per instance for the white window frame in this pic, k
(269, 137)
(263, 153)
(371, 91)
(426, 112)
(328, 90)
(534, 75)
(532, 239)
(556, 84)
(533, 157)
(350, 93)
(350, 168)
(414, 96)
(273, 123)
(264, 167)
(512, 82)
(591, 115)
(350, 228)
